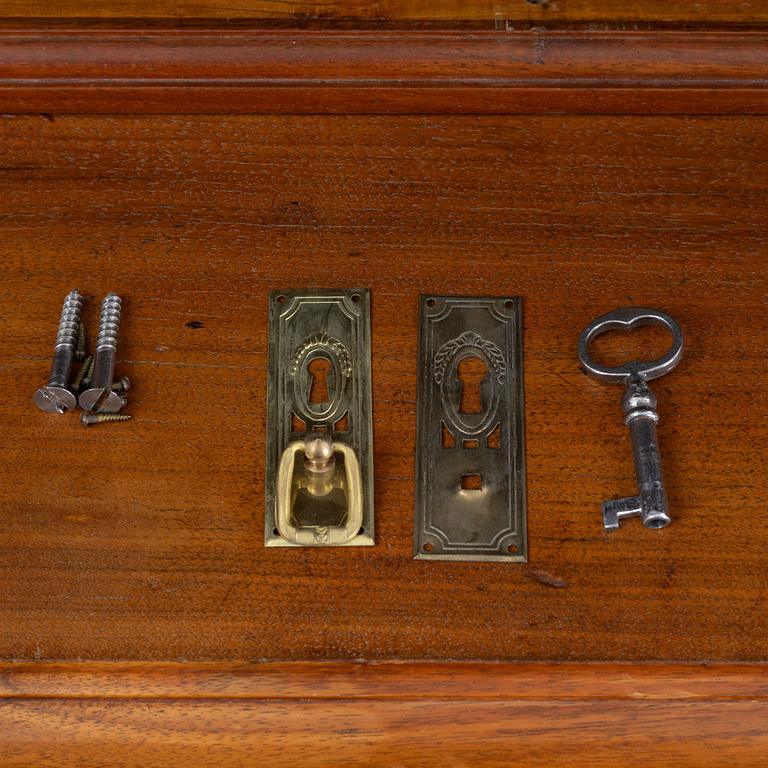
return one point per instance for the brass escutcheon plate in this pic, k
(470, 453)
(319, 380)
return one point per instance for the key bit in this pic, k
(640, 414)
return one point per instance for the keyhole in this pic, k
(319, 368)
(471, 372)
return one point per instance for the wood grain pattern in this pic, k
(352, 714)
(384, 72)
(401, 681)
(409, 734)
(482, 12)
(143, 540)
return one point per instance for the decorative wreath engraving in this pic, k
(470, 339)
(329, 347)
(325, 342)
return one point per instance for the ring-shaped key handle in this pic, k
(626, 319)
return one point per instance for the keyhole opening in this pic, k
(319, 368)
(471, 372)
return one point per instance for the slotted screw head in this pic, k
(53, 399)
(121, 386)
(106, 401)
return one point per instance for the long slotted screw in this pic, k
(55, 396)
(100, 396)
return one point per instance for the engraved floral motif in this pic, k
(470, 339)
(325, 342)
(321, 345)
(446, 362)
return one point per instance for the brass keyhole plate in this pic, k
(319, 380)
(470, 460)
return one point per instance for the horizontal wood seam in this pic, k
(380, 698)
(384, 681)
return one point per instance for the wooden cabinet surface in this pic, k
(144, 540)
(142, 617)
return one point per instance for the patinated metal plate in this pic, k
(470, 460)
(330, 327)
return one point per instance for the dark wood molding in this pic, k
(322, 72)
(502, 13)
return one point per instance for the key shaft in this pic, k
(639, 405)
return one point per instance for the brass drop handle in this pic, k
(316, 480)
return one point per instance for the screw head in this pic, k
(54, 399)
(121, 386)
(101, 400)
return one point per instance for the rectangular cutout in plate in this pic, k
(470, 452)
(319, 473)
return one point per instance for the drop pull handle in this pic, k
(319, 499)
(319, 469)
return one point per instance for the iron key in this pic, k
(640, 415)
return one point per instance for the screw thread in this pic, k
(88, 417)
(114, 417)
(109, 323)
(80, 349)
(88, 376)
(81, 374)
(69, 322)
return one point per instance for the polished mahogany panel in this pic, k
(144, 540)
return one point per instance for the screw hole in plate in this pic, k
(355, 298)
(431, 302)
(281, 299)
(429, 546)
(275, 532)
(512, 549)
(361, 532)
(509, 304)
